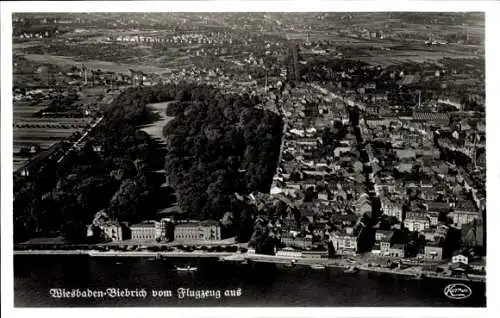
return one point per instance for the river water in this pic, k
(246, 285)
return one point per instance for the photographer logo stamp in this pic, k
(457, 291)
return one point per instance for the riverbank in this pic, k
(123, 253)
(411, 272)
(414, 273)
(420, 274)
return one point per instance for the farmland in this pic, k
(33, 134)
(94, 64)
(29, 131)
(24, 109)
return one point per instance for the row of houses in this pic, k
(189, 38)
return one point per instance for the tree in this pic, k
(331, 250)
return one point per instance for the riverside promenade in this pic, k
(412, 272)
(92, 253)
(342, 263)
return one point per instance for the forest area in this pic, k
(217, 145)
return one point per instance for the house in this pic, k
(357, 166)
(433, 252)
(363, 205)
(460, 258)
(383, 235)
(113, 231)
(417, 222)
(438, 207)
(199, 231)
(429, 234)
(433, 218)
(345, 219)
(344, 243)
(402, 154)
(290, 223)
(459, 269)
(323, 196)
(441, 231)
(429, 117)
(341, 150)
(375, 122)
(370, 85)
(392, 208)
(109, 230)
(404, 167)
(473, 234)
(426, 183)
(432, 153)
(465, 212)
(372, 110)
(397, 251)
(303, 243)
(385, 246)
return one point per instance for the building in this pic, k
(204, 231)
(344, 243)
(289, 253)
(112, 231)
(381, 235)
(417, 223)
(433, 218)
(403, 154)
(428, 117)
(392, 208)
(315, 254)
(385, 246)
(167, 228)
(297, 242)
(433, 252)
(397, 251)
(145, 231)
(465, 212)
(460, 258)
(435, 208)
(441, 231)
(363, 205)
(429, 234)
(108, 230)
(290, 223)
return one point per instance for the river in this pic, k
(257, 285)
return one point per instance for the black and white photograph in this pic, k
(318, 158)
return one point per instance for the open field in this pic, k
(50, 121)
(27, 137)
(94, 64)
(44, 144)
(21, 112)
(410, 57)
(31, 131)
(42, 133)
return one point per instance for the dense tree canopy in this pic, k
(218, 145)
(62, 198)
